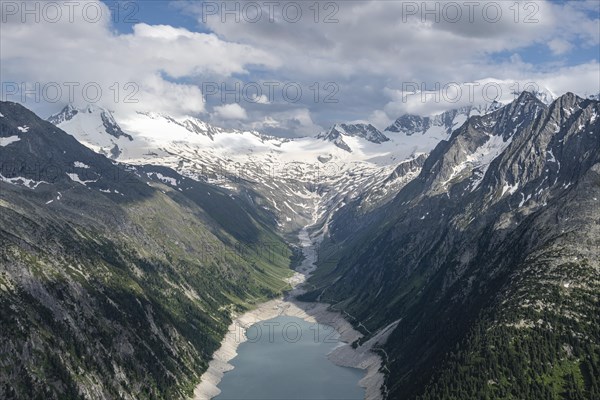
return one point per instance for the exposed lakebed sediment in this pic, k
(362, 357)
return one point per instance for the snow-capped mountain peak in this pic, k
(191, 124)
(365, 131)
(66, 114)
(543, 94)
(94, 126)
(92, 111)
(410, 124)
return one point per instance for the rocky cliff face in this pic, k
(410, 124)
(479, 247)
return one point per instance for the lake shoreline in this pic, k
(362, 357)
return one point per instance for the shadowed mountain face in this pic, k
(488, 260)
(46, 158)
(117, 281)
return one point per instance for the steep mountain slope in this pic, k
(423, 133)
(118, 281)
(487, 263)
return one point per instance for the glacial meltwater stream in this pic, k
(285, 358)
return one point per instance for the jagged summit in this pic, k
(66, 114)
(544, 95)
(365, 131)
(411, 124)
(105, 116)
(520, 138)
(447, 121)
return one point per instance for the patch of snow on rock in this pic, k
(5, 141)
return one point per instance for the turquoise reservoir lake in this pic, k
(285, 358)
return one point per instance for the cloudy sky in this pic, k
(293, 68)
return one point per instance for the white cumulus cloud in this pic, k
(231, 111)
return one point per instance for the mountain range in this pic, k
(471, 235)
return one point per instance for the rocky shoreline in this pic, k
(361, 357)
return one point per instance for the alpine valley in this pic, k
(462, 247)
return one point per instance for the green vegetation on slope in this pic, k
(539, 341)
(125, 286)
